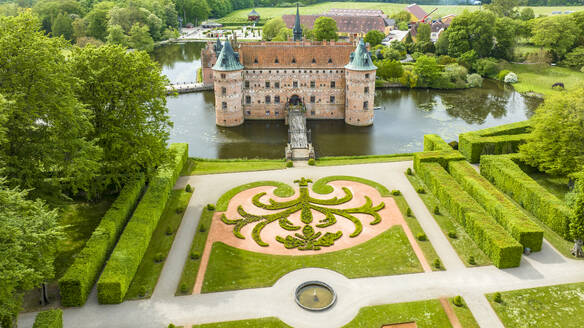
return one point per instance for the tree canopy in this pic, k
(472, 31)
(272, 28)
(374, 37)
(325, 28)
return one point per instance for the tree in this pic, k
(389, 69)
(47, 126)
(506, 38)
(374, 37)
(442, 44)
(427, 70)
(504, 8)
(196, 11)
(424, 32)
(116, 35)
(471, 31)
(79, 28)
(97, 20)
(125, 92)
(575, 58)
(139, 38)
(48, 10)
(62, 26)
(402, 17)
(555, 33)
(29, 236)
(283, 34)
(325, 28)
(272, 27)
(556, 145)
(220, 8)
(527, 14)
(575, 200)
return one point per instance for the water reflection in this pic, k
(406, 115)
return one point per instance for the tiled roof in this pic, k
(355, 12)
(417, 11)
(253, 13)
(345, 24)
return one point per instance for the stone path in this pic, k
(544, 268)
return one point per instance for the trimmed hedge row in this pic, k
(517, 223)
(434, 142)
(504, 173)
(503, 139)
(76, 283)
(498, 245)
(439, 156)
(49, 319)
(126, 257)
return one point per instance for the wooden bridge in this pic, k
(187, 87)
(299, 145)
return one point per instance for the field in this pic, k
(388, 8)
(540, 78)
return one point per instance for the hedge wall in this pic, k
(517, 223)
(49, 319)
(498, 245)
(503, 139)
(438, 156)
(434, 142)
(76, 283)
(504, 173)
(126, 257)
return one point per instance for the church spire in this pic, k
(297, 28)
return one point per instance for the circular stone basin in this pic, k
(315, 296)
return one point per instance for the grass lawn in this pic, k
(197, 166)
(231, 268)
(466, 318)
(348, 160)
(556, 185)
(463, 244)
(388, 8)
(252, 323)
(191, 268)
(149, 270)
(540, 78)
(555, 306)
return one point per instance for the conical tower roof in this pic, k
(361, 59)
(227, 60)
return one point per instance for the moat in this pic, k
(405, 116)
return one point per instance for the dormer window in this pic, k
(313, 61)
(330, 61)
(255, 60)
(293, 60)
(276, 61)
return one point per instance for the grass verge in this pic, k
(149, 270)
(556, 185)
(467, 320)
(540, 78)
(553, 306)
(193, 260)
(200, 166)
(349, 160)
(463, 244)
(270, 322)
(231, 268)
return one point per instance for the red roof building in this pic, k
(355, 25)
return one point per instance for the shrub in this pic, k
(502, 74)
(486, 67)
(420, 190)
(409, 171)
(396, 192)
(453, 144)
(195, 256)
(503, 139)
(408, 212)
(179, 210)
(159, 257)
(78, 280)
(169, 231)
(422, 236)
(437, 264)
(142, 291)
(471, 260)
(474, 80)
(497, 298)
(311, 162)
(457, 300)
(452, 234)
(130, 249)
(289, 164)
(49, 319)
(210, 207)
(188, 188)
(183, 288)
(436, 210)
(511, 78)
(202, 228)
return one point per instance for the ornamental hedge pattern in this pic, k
(309, 238)
(49, 319)
(126, 257)
(502, 249)
(503, 139)
(506, 174)
(517, 223)
(76, 283)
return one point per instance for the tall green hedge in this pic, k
(504, 173)
(49, 319)
(126, 257)
(438, 156)
(502, 139)
(76, 283)
(517, 223)
(502, 249)
(434, 142)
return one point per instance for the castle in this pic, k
(264, 80)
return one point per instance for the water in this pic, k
(314, 296)
(406, 115)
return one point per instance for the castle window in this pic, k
(367, 75)
(312, 84)
(255, 60)
(222, 75)
(330, 61)
(277, 100)
(223, 91)
(366, 89)
(312, 113)
(276, 61)
(313, 61)
(312, 99)
(267, 84)
(246, 84)
(332, 100)
(248, 100)
(277, 85)
(365, 105)
(224, 105)
(267, 113)
(248, 112)
(268, 99)
(293, 62)
(333, 84)
(276, 113)
(295, 84)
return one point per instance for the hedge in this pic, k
(498, 245)
(504, 173)
(49, 319)
(76, 283)
(434, 142)
(126, 257)
(503, 139)
(517, 223)
(437, 156)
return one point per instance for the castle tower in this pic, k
(359, 87)
(297, 31)
(228, 82)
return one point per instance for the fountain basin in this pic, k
(315, 296)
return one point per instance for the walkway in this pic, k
(539, 269)
(188, 87)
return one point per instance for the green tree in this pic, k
(79, 28)
(283, 34)
(575, 58)
(389, 69)
(402, 17)
(409, 78)
(374, 37)
(139, 38)
(442, 44)
(116, 35)
(62, 26)
(29, 235)
(272, 27)
(575, 200)
(47, 126)
(504, 8)
(471, 31)
(220, 8)
(527, 14)
(506, 38)
(424, 32)
(427, 70)
(325, 28)
(556, 145)
(97, 20)
(125, 92)
(555, 33)
(196, 11)
(48, 10)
